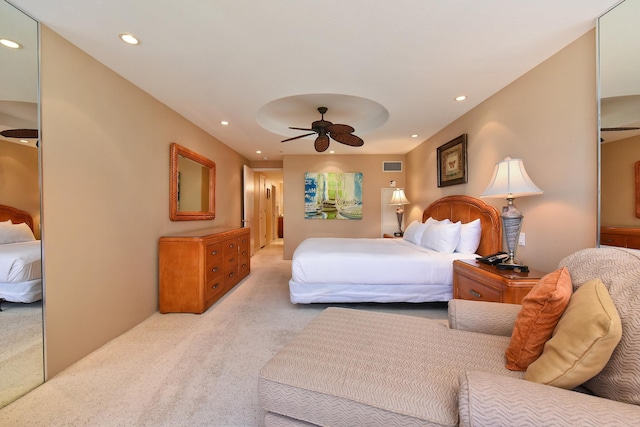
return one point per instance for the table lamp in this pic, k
(510, 180)
(399, 199)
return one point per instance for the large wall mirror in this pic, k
(192, 185)
(21, 318)
(619, 70)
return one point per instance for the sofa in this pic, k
(352, 367)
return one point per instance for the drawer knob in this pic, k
(475, 294)
(244, 265)
(232, 260)
(215, 286)
(214, 252)
(231, 245)
(231, 274)
(214, 269)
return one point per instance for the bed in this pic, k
(349, 270)
(20, 257)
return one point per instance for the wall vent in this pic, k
(392, 166)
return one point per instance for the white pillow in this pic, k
(442, 237)
(435, 221)
(15, 233)
(414, 232)
(469, 237)
(6, 222)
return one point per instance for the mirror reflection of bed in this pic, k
(21, 346)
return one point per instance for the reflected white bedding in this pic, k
(21, 271)
(370, 270)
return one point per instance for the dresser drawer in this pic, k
(472, 290)
(214, 288)
(213, 252)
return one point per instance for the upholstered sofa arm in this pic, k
(485, 317)
(488, 399)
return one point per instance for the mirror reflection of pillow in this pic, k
(15, 233)
(469, 237)
(442, 237)
(414, 232)
(6, 222)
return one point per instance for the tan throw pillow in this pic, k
(541, 310)
(582, 343)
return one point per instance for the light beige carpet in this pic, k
(21, 352)
(186, 369)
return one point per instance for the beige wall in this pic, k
(548, 117)
(617, 181)
(297, 228)
(19, 183)
(105, 154)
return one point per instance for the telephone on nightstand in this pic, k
(494, 259)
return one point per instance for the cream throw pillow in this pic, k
(582, 342)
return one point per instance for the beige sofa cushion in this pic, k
(351, 365)
(583, 341)
(541, 310)
(619, 270)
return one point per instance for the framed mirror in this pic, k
(192, 186)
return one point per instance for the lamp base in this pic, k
(398, 234)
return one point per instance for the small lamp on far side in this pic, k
(510, 180)
(399, 199)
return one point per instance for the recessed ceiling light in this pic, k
(331, 152)
(129, 39)
(224, 123)
(461, 98)
(10, 43)
(415, 135)
(258, 152)
(24, 141)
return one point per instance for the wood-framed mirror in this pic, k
(192, 185)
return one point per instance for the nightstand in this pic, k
(476, 281)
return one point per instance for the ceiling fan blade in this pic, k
(322, 143)
(348, 139)
(340, 129)
(301, 129)
(298, 137)
(618, 129)
(20, 133)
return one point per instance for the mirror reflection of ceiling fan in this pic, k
(325, 129)
(20, 133)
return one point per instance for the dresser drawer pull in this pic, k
(244, 252)
(215, 286)
(474, 293)
(231, 274)
(244, 240)
(232, 260)
(214, 269)
(231, 245)
(214, 252)
(244, 265)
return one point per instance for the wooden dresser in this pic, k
(197, 268)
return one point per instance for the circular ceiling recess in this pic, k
(364, 115)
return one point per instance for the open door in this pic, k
(248, 214)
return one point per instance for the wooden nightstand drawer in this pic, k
(468, 289)
(476, 281)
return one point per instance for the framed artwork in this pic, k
(333, 195)
(452, 162)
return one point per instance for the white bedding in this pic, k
(370, 270)
(21, 271)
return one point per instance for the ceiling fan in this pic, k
(325, 129)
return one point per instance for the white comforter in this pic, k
(348, 261)
(20, 262)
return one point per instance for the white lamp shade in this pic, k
(510, 179)
(399, 198)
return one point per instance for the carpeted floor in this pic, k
(186, 369)
(21, 352)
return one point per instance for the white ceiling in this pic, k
(213, 60)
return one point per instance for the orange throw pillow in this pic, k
(541, 310)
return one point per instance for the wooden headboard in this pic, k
(467, 209)
(15, 215)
